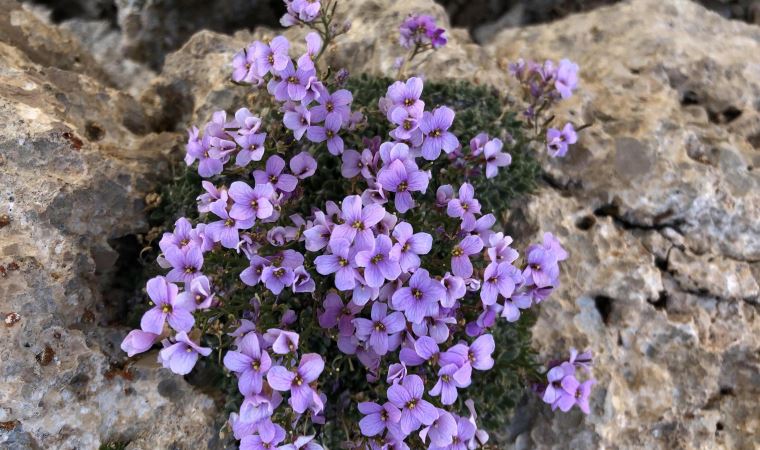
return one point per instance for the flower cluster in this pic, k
(405, 273)
(563, 389)
(543, 85)
(419, 30)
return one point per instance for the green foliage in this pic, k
(117, 445)
(478, 109)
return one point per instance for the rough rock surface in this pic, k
(76, 158)
(657, 205)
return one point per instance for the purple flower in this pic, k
(283, 342)
(420, 299)
(434, 127)
(363, 293)
(495, 158)
(451, 377)
(542, 268)
(395, 178)
(555, 376)
(259, 407)
(226, 230)
(302, 281)
(513, 305)
(355, 163)
(380, 327)
(251, 203)
(182, 238)
(269, 435)
(499, 249)
(391, 152)
(425, 349)
(302, 395)
(341, 262)
(298, 120)
(200, 149)
(465, 432)
(580, 395)
(313, 46)
(552, 245)
(317, 237)
(274, 176)
(406, 96)
(303, 165)
(479, 353)
(440, 432)
(443, 195)
(478, 143)
(377, 263)
(185, 265)
(455, 289)
(498, 278)
(584, 359)
(416, 30)
(567, 78)
(338, 313)
(377, 418)
(273, 57)
(328, 133)
(294, 83)
(409, 246)
(438, 37)
(277, 278)
(248, 123)
(252, 275)
(244, 66)
(307, 10)
(138, 341)
(460, 256)
(396, 372)
(407, 396)
(337, 102)
(181, 356)
(250, 363)
(251, 148)
(565, 391)
(199, 294)
(464, 207)
(557, 142)
(212, 194)
(357, 221)
(407, 124)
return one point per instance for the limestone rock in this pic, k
(77, 158)
(658, 206)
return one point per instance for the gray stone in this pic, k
(77, 158)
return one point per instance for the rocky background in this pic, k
(658, 205)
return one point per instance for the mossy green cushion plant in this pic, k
(341, 272)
